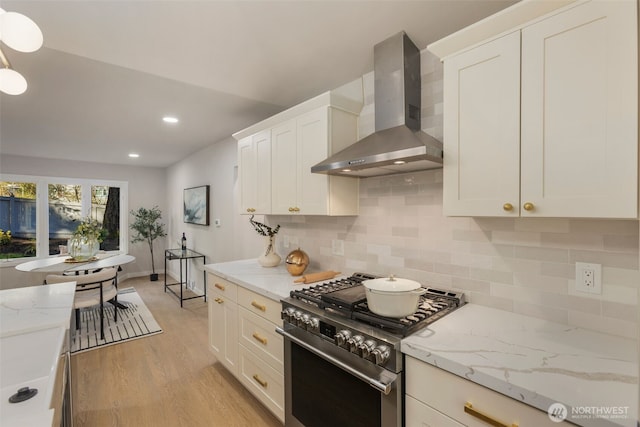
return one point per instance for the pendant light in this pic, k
(20, 33)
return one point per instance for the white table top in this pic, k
(535, 361)
(57, 264)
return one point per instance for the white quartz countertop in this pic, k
(33, 323)
(272, 282)
(536, 362)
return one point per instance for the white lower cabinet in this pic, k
(455, 401)
(263, 381)
(420, 414)
(242, 336)
(223, 321)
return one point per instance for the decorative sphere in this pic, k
(297, 262)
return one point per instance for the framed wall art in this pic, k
(196, 205)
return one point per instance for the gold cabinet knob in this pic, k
(528, 206)
(507, 207)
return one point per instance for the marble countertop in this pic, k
(33, 324)
(272, 282)
(536, 362)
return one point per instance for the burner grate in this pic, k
(346, 297)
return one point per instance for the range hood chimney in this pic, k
(398, 144)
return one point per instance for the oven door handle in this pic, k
(383, 387)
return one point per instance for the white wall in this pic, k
(146, 188)
(215, 166)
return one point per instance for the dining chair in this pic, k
(92, 289)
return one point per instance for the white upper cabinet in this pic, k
(580, 112)
(542, 120)
(299, 144)
(482, 129)
(254, 170)
(278, 178)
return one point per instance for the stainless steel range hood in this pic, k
(398, 144)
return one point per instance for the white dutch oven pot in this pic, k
(392, 296)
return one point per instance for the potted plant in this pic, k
(147, 228)
(269, 258)
(84, 244)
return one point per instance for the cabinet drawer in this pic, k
(222, 287)
(258, 334)
(263, 381)
(418, 414)
(260, 305)
(453, 392)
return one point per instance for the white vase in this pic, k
(82, 248)
(269, 257)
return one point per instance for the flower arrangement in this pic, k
(263, 229)
(90, 229)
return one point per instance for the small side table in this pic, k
(180, 255)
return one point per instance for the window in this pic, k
(42, 213)
(17, 219)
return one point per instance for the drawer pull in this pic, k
(259, 306)
(219, 300)
(262, 382)
(219, 286)
(468, 408)
(257, 337)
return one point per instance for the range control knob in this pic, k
(303, 321)
(380, 355)
(313, 324)
(342, 337)
(366, 348)
(354, 343)
(287, 314)
(297, 317)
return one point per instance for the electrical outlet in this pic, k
(589, 278)
(337, 247)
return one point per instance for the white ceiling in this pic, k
(109, 70)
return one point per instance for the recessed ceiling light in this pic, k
(399, 162)
(134, 155)
(169, 119)
(346, 170)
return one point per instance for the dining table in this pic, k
(63, 264)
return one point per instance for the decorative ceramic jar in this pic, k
(269, 257)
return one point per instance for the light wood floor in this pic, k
(169, 379)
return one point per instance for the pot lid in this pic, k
(391, 284)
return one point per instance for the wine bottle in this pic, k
(184, 242)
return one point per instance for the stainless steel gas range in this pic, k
(343, 365)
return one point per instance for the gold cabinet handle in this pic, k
(219, 300)
(528, 206)
(219, 286)
(507, 207)
(297, 209)
(259, 306)
(260, 339)
(291, 209)
(468, 408)
(262, 382)
(251, 210)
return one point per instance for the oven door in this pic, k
(328, 386)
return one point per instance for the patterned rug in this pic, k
(136, 321)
